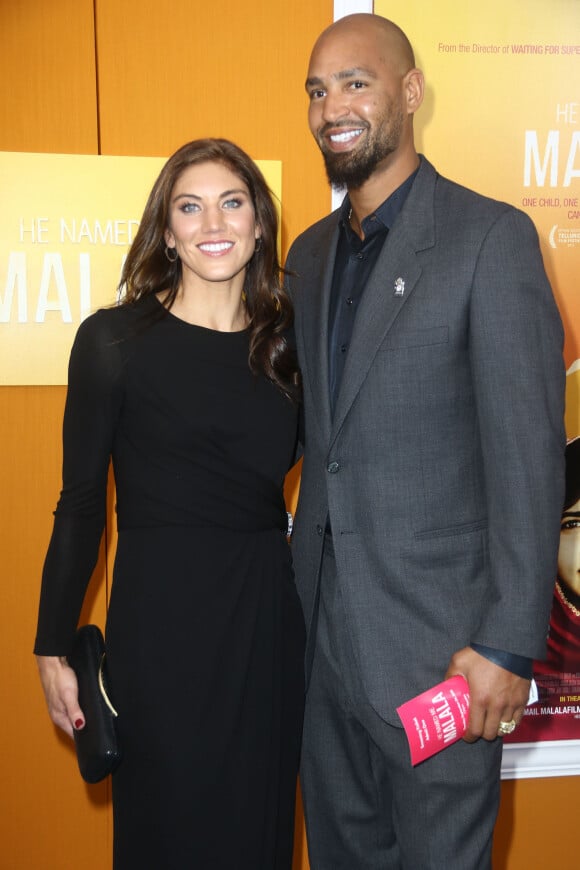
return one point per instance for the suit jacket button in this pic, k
(319, 530)
(332, 467)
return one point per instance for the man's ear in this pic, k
(414, 84)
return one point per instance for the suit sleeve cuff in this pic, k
(519, 665)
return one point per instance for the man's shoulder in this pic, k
(449, 192)
(316, 235)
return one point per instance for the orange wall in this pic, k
(138, 77)
(141, 77)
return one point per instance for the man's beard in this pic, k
(351, 169)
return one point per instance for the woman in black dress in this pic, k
(191, 386)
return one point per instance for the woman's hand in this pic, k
(61, 691)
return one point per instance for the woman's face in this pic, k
(569, 552)
(212, 224)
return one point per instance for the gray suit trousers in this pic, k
(366, 807)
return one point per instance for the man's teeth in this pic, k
(216, 247)
(345, 137)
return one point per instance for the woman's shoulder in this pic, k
(113, 324)
(104, 341)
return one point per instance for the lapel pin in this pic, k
(399, 287)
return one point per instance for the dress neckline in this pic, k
(209, 329)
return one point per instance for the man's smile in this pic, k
(341, 139)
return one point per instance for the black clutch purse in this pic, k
(97, 747)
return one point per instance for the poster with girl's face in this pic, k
(556, 716)
(547, 740)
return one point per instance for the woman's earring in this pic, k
(258, 245)
(169, 257)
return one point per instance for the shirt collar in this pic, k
(385, 215)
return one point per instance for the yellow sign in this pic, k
(501, 115)
(66, 224)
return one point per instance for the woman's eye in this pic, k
(232, 203)
(189, 207)
(570, 524)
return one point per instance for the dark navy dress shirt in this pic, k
(355, 260)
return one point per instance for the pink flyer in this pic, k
(436, 718)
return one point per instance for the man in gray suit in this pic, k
(427, 529)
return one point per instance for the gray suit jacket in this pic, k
(442, 471)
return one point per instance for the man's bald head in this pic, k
(391, 41)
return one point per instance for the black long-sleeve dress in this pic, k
(204, 630)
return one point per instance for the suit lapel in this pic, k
(389, 288)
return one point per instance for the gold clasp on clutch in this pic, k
(106, 698)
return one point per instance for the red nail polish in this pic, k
(79, 723)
